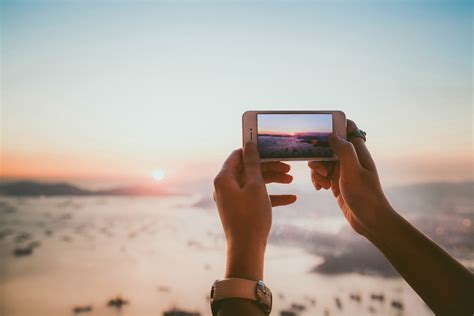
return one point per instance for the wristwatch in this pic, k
(255, 291)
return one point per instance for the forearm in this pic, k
(246, 263)
(441, 281)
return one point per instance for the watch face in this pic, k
(264, 297)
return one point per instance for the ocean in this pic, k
(161, 253)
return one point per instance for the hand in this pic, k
(354, 182)
(245, 208)
(422, 263)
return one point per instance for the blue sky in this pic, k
(294, 123)
(106, 88)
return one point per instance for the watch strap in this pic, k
(234, 287)
(243, 289)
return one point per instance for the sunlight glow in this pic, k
(158, 174)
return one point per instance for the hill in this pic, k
(32, 188)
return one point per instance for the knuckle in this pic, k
(351, 125)
(236, 151)
(218, 181)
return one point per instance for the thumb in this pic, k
(345, 151)
(251, 159)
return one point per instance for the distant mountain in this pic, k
(31, 188)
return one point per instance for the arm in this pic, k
(443, 283)
(245, 210)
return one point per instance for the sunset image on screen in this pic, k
(294, 135)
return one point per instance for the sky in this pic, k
(118, 90)
(294, 123)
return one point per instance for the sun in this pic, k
(158, 174)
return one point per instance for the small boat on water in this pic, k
(397, 305)
(117, 302)
(23, 252)
(82, 309)
(377, 297)
(355, 297)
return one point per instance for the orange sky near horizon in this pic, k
(57, 167)
(409, 168)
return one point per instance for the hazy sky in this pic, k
(294, 123)
(114, 89)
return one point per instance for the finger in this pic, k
(345, 150)
(322, 167)
(330, 168)
(251, 162)
(230, 173)
(273, 177)
(275, 166)
(316, 185)
(319, 167)
(284, 199)
(335, 180)
(362, 151)
(320, 181)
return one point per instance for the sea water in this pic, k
(158, 253)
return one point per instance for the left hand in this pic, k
(354, 182)
(245, 208)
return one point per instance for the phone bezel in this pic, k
(250, 130)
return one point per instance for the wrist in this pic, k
(384, 218)
(245, 260)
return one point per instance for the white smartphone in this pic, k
(293, 135)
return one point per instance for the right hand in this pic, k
(354, 182)
(245, 208)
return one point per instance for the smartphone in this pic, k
(293, 135)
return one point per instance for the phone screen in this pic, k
(294, 135)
